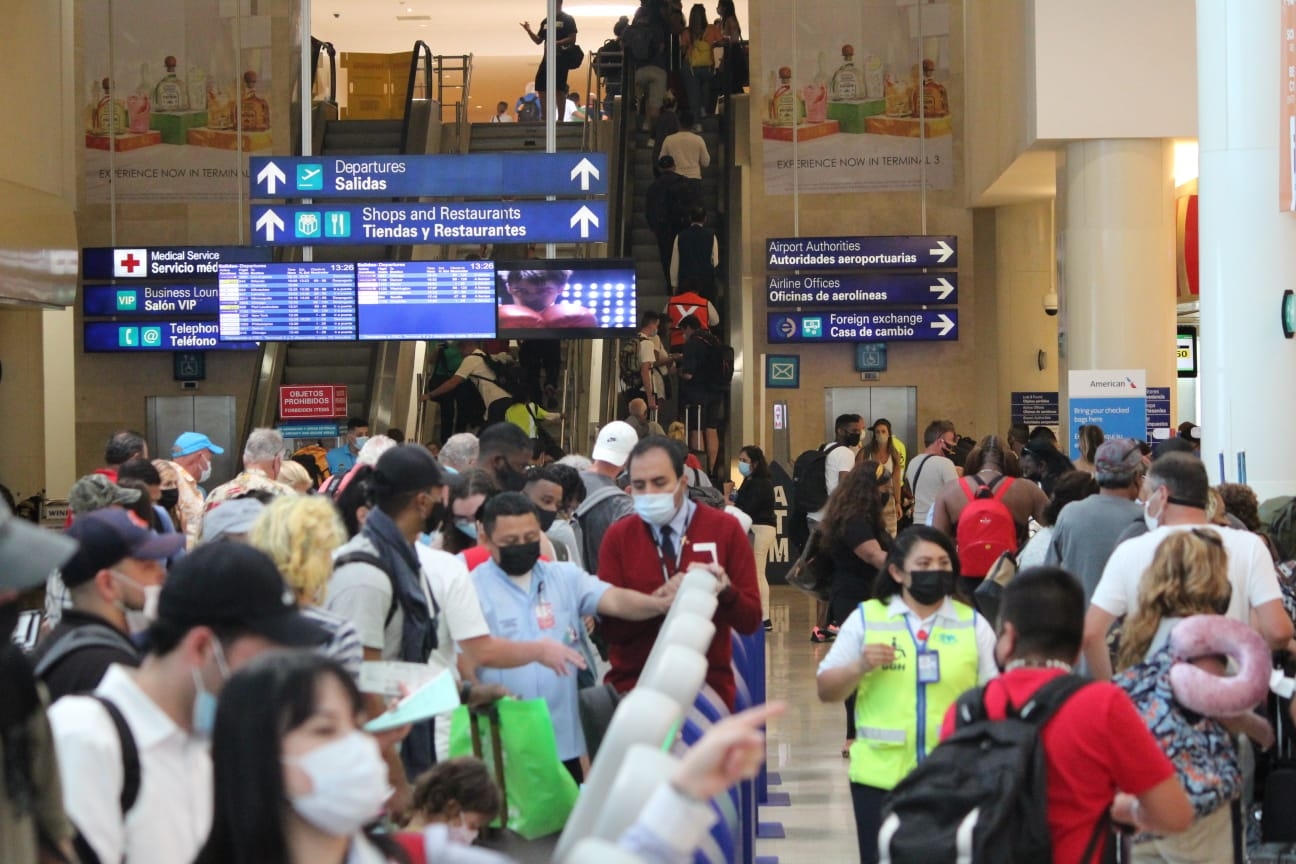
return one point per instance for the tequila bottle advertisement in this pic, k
(177, 97)
(858, 100)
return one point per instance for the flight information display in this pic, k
(426, 299)
(288, 302)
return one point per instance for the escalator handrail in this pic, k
(319, 47)
(425, 55)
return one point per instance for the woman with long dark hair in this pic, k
(856, 537)
(906, 655)
(755, 497)
(294, 775)
(882, 451)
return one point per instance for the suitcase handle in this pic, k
(491, 714)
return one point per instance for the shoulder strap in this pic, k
(968, 489)
(358, 556)
(918, 473)
(130, 755)
(89, 636)
(1041, 707)
(1004, 481)
(599, 496)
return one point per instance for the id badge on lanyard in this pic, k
(544, 611)
(928, 661)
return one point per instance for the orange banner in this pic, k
(1287, 100)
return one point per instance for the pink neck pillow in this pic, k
(1232, 697)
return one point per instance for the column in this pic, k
(1116, 259)
(1248, 247)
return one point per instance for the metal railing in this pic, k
(319, 48)
(422, 56)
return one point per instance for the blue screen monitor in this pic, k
(403, 300)
(288, 302)
(571, 298)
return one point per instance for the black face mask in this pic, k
(852, 439)
(170, 498)
(547, 518)
(519, 559)
(930, 586)
(510, 479)
(9, 615)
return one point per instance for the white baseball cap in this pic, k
(615, 441)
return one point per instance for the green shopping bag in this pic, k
(539, 793)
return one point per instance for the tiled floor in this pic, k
(804, 745)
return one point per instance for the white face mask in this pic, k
(348, 784)
(462, 834)
(206, 472)
(656, 508)
(139, 619)
(1151, 521)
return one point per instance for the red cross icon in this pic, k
(130, 262)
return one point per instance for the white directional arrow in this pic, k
(271, 222)
(585, 217)
(585, 169)
(942, 288)
(943, 249)
(270, 175)
(945, 323)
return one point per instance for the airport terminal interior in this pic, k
(225, 215)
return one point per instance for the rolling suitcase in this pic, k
(1278, 820)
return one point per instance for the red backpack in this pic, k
(986, 528)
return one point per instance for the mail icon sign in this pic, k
(783, 370)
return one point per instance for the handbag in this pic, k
(538, 792)
(571, 56)
(1199, 747)
(813, 570)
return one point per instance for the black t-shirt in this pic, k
(81, 670)
(566, 27)
(853, 577)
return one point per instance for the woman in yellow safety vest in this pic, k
(907, 654)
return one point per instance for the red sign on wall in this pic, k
(312, 401)
(1287, 98)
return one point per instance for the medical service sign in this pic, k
(1115, 399)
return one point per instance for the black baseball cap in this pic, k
(112, 535)
(231, 585)
(407, 468)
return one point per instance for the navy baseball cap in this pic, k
(111, 535)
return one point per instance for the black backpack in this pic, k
(717, 364)
(981, 795)
(528, 108)
(504, 374)
(130, 787)
(607, 60)
(809, 482)
(642, 40)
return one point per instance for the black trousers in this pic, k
(868, 819)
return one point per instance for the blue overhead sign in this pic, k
(908, 325)
(479, 175)
(861, 253)
(1035, 408)
(883, 289)
(105, 263)
(400, 223)
(147, 299)
(113, 337)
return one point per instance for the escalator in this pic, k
(368, 369)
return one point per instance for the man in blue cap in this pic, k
(114, 580)
(192, 454)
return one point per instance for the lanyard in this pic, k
(679, 549)
(920, 644)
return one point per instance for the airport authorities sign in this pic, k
(903, 325)
(904, 252)
(477, 175)
(411, 223)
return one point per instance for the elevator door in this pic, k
(898, 405)
(214, 416)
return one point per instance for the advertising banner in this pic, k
(856, 97)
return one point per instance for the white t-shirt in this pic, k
(938, 472)
(849, 644)
(648, 351)
(1250, 571)
(475, 371)
(840, 458)
(362, 594)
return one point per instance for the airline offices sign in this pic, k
(883, 289)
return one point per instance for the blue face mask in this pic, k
(466, 526)
(204, 707)
(744, 468)
(656, 508)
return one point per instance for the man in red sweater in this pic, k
(659, 546)
(1099, 754)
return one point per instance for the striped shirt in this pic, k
(344, 644)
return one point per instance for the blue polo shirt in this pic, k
(340, 460)
(512, 613)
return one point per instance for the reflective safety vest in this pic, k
(897, 719)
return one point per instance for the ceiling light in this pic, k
(413, 17)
